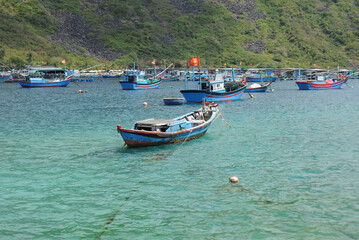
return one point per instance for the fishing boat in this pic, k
(152, 132)
(256, 87)
(173, 101)
(46, 77)
(170, 78)
(319, 85)
(260, 78)
(261, 75)
(214, 90)
(111, 76)
(135, 81)
(320, 80)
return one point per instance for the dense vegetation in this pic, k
(265, 33)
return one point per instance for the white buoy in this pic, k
(144, 104)
(233, 179)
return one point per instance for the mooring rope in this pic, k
(113, 216)
(219, 113)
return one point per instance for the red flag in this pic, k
(153, 62)
(63, 61)
(194, 61)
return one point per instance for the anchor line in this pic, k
(219, 113)
(113, 216)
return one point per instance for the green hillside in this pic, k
(266, 33)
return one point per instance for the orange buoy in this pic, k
(80, 91)
(144, 104)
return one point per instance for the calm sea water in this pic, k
(64, 173)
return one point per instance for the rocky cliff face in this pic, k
(76, 35)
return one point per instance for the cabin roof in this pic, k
(45, 68)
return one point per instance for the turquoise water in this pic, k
(64, 173)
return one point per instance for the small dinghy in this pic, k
(153, 132)
(173, 101)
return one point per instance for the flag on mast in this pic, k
(194, 61)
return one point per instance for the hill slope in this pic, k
(273, 33)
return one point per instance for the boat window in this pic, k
(131, 78)
(204, 86)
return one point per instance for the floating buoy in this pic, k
(80, 91)
(144, 104)
(233, 179)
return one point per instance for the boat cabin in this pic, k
(46, 74)
(134, 77)
(216, 85)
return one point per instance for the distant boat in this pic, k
(131, 83)
(214, 91)
(173, 101)
(46, 77)
(258, 78)
(135, 81)
(111, 76)
(170, 78)
(152, 132)
(256, 87)
(319, 85)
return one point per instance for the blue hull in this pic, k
(319, 85)
(262, 89)
(46, 84)
(5, 77)
(139, 86)
(112, 76)
(263, 79)
(198, 95)
(176, 78)
(143, 139)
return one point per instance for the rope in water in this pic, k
(113, 216)
(219, 113)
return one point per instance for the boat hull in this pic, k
(263, 79)
(45, 84)
(111, 76)
(195, 96)
(317, 85)
(175, 78)
(139, 86)
(173, 101)
(261, 89)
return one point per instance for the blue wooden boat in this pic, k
(5, 78)
(135, 81)
(319, 85)
(214, 91)
(46, 77)
(255, 87)
(130, 83)
(170, 78)
(111, 76)
(173, 101)
(152, 132)
(258, 78)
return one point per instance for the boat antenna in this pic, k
(164, 70)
